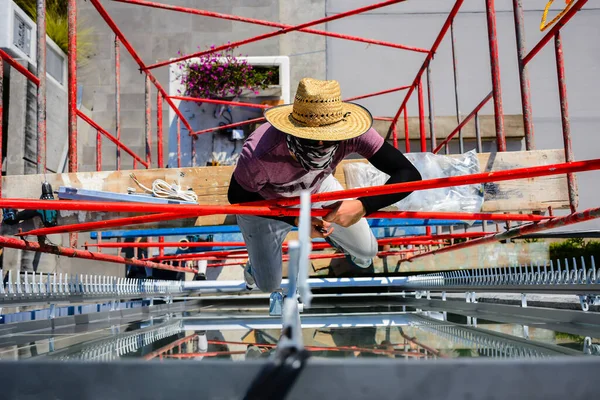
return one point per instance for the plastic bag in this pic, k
(466, 198)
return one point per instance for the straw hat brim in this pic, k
(358, 122)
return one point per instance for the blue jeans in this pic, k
(264, 238)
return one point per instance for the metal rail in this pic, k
(38, 288)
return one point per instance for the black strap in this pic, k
(277, 377)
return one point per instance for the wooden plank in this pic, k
(211, 184)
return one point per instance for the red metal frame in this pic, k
(274, 207)
(290, 28)
(88, 255)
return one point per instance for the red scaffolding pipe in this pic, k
(180, 211)
(269, 23)
(422, 132)
(275, 33)
(249, 121)
(88, 255)
(228, 256)
(557, 222)
(1, 121)
(111, 137)
(265, 106)
(565, 121)
(335, 348)
(552, 32)
(266, 207)
(24, 71)
(118, 99)
(99, 150)
(490, 10)
(483, 177)
(178, 142)
(364, 96)
(430, 55)
(170, 346)
(216, 101)
(72, 83)
(406, 132)
(464, 122)
(523, 74)
(111, 223)
(159, 131)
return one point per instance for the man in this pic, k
(298, 149)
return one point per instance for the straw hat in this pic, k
(318, 113)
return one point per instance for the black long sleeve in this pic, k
(237, 195)
(392, 162)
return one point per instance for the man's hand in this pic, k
(319, 228)
(346, 213)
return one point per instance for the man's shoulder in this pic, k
(263, 140)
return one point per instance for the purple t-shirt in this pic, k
(267, 167)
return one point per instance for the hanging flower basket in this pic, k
(223, 75)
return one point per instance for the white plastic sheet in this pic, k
(466, 198)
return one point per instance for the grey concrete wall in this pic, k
(363, 69)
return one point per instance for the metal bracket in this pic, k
(588, 299)
(523, 300)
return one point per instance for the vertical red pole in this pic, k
(148, 121)
(72, 84)
(495, 67)
(1, 115)
(566, 124)
(98, 151)
(422, 117)
(134, 163)
(161, 250)
(523, 75)
(406, 132)
(41, 89)
(118, 99)
(159, 130)
(178, 142)
(461, 144)
(72, 94)
(394, 134)
(432, 139)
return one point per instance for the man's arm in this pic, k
(392, 162)
(237, 195)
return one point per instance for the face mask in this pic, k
(310, 154)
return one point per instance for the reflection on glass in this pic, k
(401, 335)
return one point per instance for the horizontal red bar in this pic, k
(215, 101)
(111, 138)
(483, 177)
(587, 215)
(235, 124)
(364, 96)
(269, 23)
(290, 28)
(15, 64)
(88, 255)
